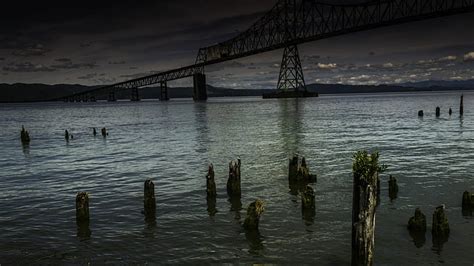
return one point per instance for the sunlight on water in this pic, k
(173, 142)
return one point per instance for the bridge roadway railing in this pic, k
(292, 22)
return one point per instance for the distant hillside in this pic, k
(40, 92)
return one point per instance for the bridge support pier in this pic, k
(111, 97)
(291, 82)
(164, 91)
(199, 88)
(135, 97)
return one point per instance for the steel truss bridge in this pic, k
(287, 24)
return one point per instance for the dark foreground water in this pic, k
(172, 143)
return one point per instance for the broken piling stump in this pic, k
(417, 223)
(440, 227)
(149, 201)
(254, 211)
(438, 111)
(461, 106)
(365, 169)
(104, 132)
(82, 207)
(24, 136)
(440, 222)
(450, 111)
(392, 188)
(94, 132)
(210, 183)
(420, 113)
(298, 171)
(233, 182)
(467, 203)
(66, 135)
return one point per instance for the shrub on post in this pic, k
(254, 211)
(365, 170)
(82, 207)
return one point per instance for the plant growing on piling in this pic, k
(366, 165)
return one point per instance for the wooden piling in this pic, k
(233, 182)
(308, 199)
(104, 133)
(210, 183)
(82, 207)
(66, 135)
(149, 201)
(438, 111)
(440, 227)
(467, 203)
(420, 113)
(24, 136)
(365, 170)
(254, 211)
(417, 223)
(392, 188)
(450, 111)
(461, 106)
(298, 172)
(94, 132)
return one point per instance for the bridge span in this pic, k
(287, 24)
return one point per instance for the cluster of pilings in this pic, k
(25, 135)
(417, 226)
(450, 111)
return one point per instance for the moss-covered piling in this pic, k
(417, 223)
(210, 183)
(254, 211)
(392, 188)
(82, 207)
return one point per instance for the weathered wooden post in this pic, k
(420, 113)
(233, 183)
(104, 132)
(254, 211)
(467, 203)
(365, 169)
(461, 107)
(392, 188)
(440, 227)
(438, 111)
(210, 183)
(417, 228)
(82, 207)
(66, 135)
(417, 223)
(24, 136)
(298, 172)
(450, 111)
(94, 132)
(149, 201)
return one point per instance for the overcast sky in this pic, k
(102, 42)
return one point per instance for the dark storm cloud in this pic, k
(2, 59)
(88, 76)
(70, 65)
(117, 62)
(34, 50)
(27, 67)
(63, 60)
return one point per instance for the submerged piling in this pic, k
(438, 111)
(417, 223)
(94, 132)
(461, 106)
(82, 207)
(233, 182)
(365, 169)
(210, 183)
(392, 188)
(308, 205)
(66, 135)
(104, 132)
(450, 111)
(254, 211)
(420, 113)
(440, 227)
(149, 201)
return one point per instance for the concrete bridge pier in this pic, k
(164, 91)
(135, 97)
(199, 88)
(111, 97)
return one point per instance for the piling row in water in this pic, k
(450, 111)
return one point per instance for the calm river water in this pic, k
(173, 142)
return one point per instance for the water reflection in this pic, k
(255, 241)
(308, 216)
(211, 206)
(202, 128)
(83, 230)
(26, 149)
(235, 206)
(290, 123)
(419, 238)
(438, 243)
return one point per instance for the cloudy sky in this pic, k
(102, 42)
